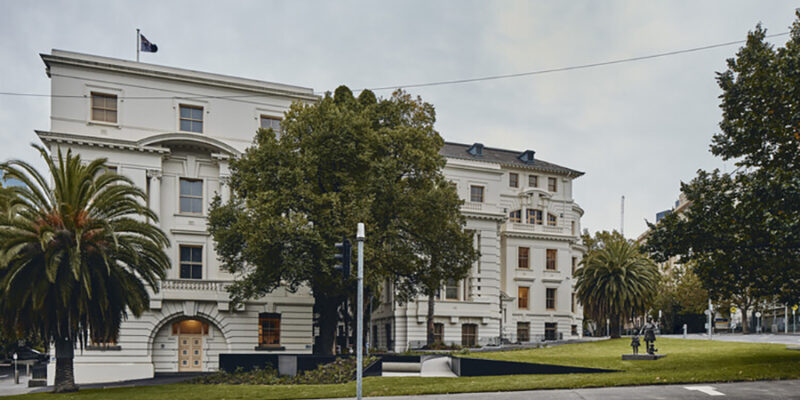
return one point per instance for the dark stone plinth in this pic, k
(649, 357)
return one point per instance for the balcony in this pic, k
(535, 228)
(194, 289)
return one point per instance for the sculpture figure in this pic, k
(649, 331)
(635, 343)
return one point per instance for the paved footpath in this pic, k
(741, 390)
(788, 339)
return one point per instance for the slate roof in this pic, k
(504, 157)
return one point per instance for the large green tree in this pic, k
(335, 163)
(75, 256)
(742, 230)
(615, 280)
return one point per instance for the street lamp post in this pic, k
(360, 237)
(16, 373)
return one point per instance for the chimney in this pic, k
(476, 150)
(527, 156)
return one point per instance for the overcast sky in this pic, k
(637, 129)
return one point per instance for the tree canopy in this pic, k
(741, 231)
(75, 257)
(615, 280)
(335, 163)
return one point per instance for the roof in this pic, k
(172, 73)
(504, 157)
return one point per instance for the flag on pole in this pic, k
(146, 46)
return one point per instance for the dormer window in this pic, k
(527, 156)
(476, 149)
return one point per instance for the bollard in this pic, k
(684, 331)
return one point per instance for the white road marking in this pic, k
(709, 390)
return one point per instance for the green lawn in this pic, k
(686, 361)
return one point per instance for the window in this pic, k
(573, 228)
(533, 181)
(268, 122)
(574, 330)
(191, 197)
(574, 264)
(550, 331)
(476, 194)
(573, 303)
(551, 220)
(451, 290)
(522, 297)
(523, 331)
(551, 259)
(269, 330)
(552, 184)
(469, 335)
(191, 118)
(550, 298)
(523, 257)
(104, 107)
(513, 179)
(515, 216)
(438, 332)
(191, 262)
(534, 216)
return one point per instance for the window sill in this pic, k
(104, 348)
(270, 348)
(101, 123)
(190, 215)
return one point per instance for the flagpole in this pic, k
(137, 44)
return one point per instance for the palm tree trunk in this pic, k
(615, 326)
(431, 304)
(65, 374)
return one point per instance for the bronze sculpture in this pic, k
(649, 331)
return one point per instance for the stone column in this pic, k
(155, 191)
(225, 189)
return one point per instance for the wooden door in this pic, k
(190, 353)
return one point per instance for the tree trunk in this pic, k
(429, 320)
(615, 326)
(328, 319)
(745, 326)
(65, 375)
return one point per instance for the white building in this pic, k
(526, 226)
(173, 131)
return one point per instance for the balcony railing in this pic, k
(472, 206)
(522, 227)
(193, 285)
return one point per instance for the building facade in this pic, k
(526, 227)
(173, 132)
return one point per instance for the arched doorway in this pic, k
(187, 344)
(190, 333)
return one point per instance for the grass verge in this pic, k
(687, 361)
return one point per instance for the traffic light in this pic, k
(343, 254)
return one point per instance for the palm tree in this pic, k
(75, 256)
(616, 280)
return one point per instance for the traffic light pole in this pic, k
(360, 314)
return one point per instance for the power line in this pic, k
(428, 84)
(572, 68)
